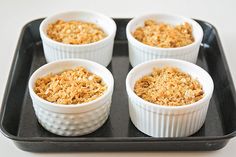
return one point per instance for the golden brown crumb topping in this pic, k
(75, 32)
(74, 86)
(164, 35)
(169, 86)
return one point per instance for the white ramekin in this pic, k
(72, 120)
(139, 52)
(168, 121)
(100, 51)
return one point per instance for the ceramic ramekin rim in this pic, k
(71, 106)
(49, 40)
(135, 41)
(131, 93)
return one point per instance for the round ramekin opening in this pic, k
(165, 18)
(106, 23)
(61, 65)
(195, 71)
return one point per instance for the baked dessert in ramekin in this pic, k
(154, 36)
(60, 101)
(168, 119)
(78, 34)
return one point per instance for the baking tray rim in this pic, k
(107, 139)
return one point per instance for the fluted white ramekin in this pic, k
(75, 119)
(168, 121)
(139, 52)
(100, 51)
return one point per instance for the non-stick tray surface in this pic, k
(19, 123)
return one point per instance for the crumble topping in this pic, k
(164, 35)
(73, 86)
(75, 32)
(169, 86)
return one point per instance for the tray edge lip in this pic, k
(225, 63)
(9, 80)
(104, 139)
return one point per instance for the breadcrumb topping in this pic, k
(164, 35)
(169, 86)
(75, 32)
(73, 86)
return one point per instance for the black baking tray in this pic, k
(18, 121)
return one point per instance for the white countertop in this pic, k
(14, 14)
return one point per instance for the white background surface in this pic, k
(14, 14)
